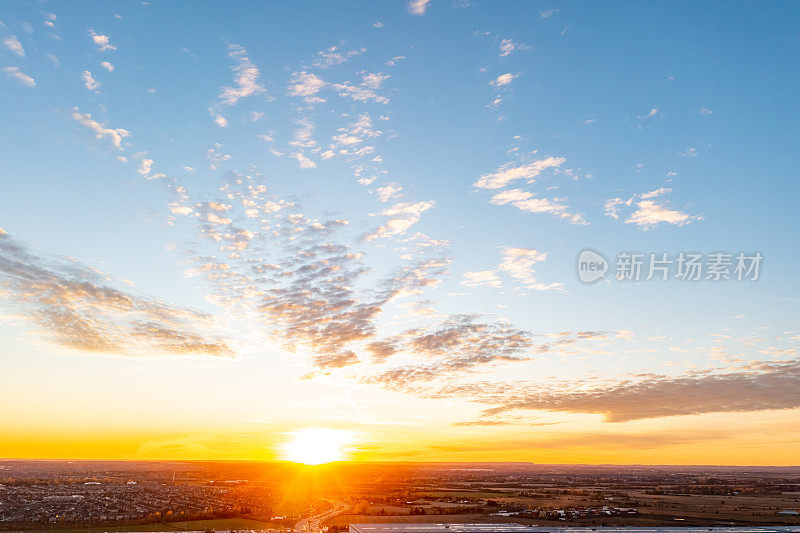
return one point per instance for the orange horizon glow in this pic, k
(320, 446)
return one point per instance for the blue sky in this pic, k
(452, 158)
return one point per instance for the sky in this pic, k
(226, 226)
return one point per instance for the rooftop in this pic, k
(521, 528)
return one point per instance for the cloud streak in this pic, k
(764, 386)
(77, 307)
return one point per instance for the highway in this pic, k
(313, 524)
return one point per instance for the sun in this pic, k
(315, 446)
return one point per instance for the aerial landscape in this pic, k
(176, 496)
(401, 266)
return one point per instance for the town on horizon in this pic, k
(182, 496)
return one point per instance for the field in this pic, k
(225, 524)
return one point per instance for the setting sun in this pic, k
(314, 446)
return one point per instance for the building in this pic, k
(439, 528)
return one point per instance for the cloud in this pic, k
(387, 192)
(77, 307)
(525, 201)
(547, 13)
(349, 140)
(303, 136)
(303, 161)
(305, 84)
(381, 349)
(216, 219)
(114, 135)
(393, 61)
(508, 47)
(510, 172)
(216, 158)
(108, 66)
(246, 77)
(771, 385)
(246, 82)
(299, 279)
(648, 213)
(89, 81)
(689, 152)
(452, 348)
(519, 262)
(373, 80)
(402, 216)
(16, 74)
(145, 166)
(13, 45)
(103, 42)
(650, 114)
(503, 79)
(441, 361)
(337, 360)
(366, 90)
(313, 301)
(483, 278)
(334, 56)
(418, 7)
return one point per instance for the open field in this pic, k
(224, 524)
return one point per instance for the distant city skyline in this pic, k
(351, 231)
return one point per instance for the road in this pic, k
(313, 524)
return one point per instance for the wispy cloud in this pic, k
(646, 212)
(335, 56)
(503, 79)
(14, 46)
(650, 114)
(510, 172)
(366, 90)
(519, 263)
(768, 385)
(401, 216)
(508, 47)
(114, 135)
(482, 278)
(522, 199)
(526, 201)
(246, 83)
(75, 306)
(216, 157)
(418, 7)
(16, 74)
(89, 81)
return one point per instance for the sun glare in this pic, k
(314, 446)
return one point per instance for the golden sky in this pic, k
(241, 232)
